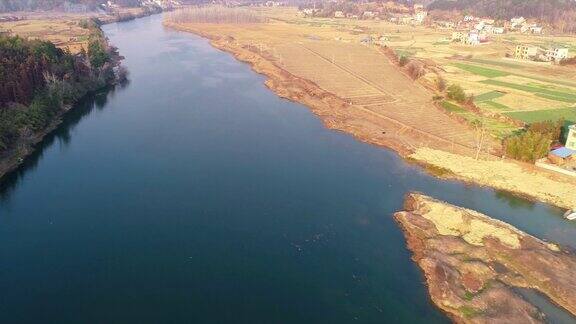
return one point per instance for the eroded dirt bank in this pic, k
(472, 262)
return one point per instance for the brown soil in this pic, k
(471, 263)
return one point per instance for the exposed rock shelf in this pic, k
(473, 262)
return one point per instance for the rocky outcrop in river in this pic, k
(472, 263)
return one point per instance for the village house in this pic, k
(565, 156)
(418, 7)
(571, 138)
(517, 22)
(368, 14)
(339, 14)
(556, 54)
(309, 12)
(535, 29)
(531, 28)
(445, 24)
(498, 30)
(473, 37)
(420, 16)
(526, 52)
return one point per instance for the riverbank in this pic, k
(27, 123)
(373, 127)
(472, 263)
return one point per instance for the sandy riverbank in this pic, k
(473, 262)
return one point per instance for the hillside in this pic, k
(560, 14)
(66, 5)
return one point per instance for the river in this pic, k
(195, 194)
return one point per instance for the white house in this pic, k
(498, 30)
(369, 14)
(557, 54)
(535, 29)
(571, 139)
(339, 14)
(420, 16)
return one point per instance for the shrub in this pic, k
(440, 84)
(403, 60)
(415, 70)
(550, 128)
(456, 93)
(528, 146)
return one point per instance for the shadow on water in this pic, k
(97, 100)
(514, 201)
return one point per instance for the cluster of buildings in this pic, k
(522, 25)
(475, 31)
(472, 37)
(536, 53)
(10, 18)
(416, 18)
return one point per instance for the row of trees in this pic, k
(39, 79)
(215, 15)
(534, 142)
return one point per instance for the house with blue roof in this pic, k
(564, 154)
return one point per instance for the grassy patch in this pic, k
(468, 311)
(539, 90)
(551, 97)
(452, 107)
(494, 127)
(482, 71)
(497, 63)
(489, 96)
(496, 105)
(568, 114)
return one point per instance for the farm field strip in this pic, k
(533, 89)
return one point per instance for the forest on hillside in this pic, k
(40, 80)
(560, 14)
(33, 5)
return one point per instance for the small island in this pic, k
(473, 263)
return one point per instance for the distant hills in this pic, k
(34, 5)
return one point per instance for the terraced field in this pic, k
(369, 82)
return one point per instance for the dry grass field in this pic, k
(63, 29)
(64, 32)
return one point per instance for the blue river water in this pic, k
(194, 194)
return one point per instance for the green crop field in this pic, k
(488, 96)
(493, 105)
(496, 63)
(568, 114)
(452, 107)
(539, 90)
(479, 70)
(498, 129)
